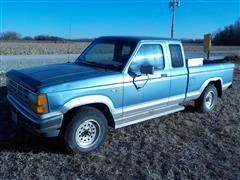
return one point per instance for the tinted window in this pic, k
(148, 54)
(176, 55)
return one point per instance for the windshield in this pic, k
(111, 54)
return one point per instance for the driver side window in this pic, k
(148, 55)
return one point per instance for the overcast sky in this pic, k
(92, 18)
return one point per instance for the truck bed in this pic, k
(199, 76)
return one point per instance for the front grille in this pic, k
(18, 92)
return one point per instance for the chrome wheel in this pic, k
(209, 100)
(87, 133)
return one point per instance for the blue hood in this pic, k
(50, 75)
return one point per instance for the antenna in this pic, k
(173, 4)
(69, 39)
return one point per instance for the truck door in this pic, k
(144, 92)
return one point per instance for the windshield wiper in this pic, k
(100, 65)
(111, 66)
(88, 63)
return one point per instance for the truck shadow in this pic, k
(189, 109)
(19, 140)
(16, 139)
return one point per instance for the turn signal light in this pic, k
(40, 106)
(41, 100)
(41, 109)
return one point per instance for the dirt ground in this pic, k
(184, 145)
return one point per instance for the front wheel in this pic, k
(86, 131)
(208, 99)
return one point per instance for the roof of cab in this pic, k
(136, 38)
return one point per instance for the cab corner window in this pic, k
(148, 55)
(176, 55)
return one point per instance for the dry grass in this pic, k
(199, 47)
(26, 48)
(184, 145)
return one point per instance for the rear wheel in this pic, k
(208, 99)
(86, 131)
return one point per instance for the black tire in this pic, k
(86, 131)
(208, 99)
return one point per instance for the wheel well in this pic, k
(218, 86)
(106, 111)
(101, 107)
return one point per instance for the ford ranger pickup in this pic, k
(116, 81)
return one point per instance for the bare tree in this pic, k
(10, 35)
(229, 36)
(48, 38)
(27, 38)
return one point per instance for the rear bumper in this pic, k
(47, 125)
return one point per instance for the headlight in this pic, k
(38, 103)
(32, 98)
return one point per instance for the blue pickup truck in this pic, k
(116, 81)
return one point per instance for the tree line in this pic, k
(229, 36)
(11, 36)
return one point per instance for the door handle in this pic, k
(164, 75)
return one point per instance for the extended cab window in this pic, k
(176, 55)
(148, 54)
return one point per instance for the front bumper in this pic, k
(47, 125)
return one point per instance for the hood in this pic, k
(50, 75)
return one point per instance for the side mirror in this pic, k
(134, 73)
(147, 69)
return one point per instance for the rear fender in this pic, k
(196, 94)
